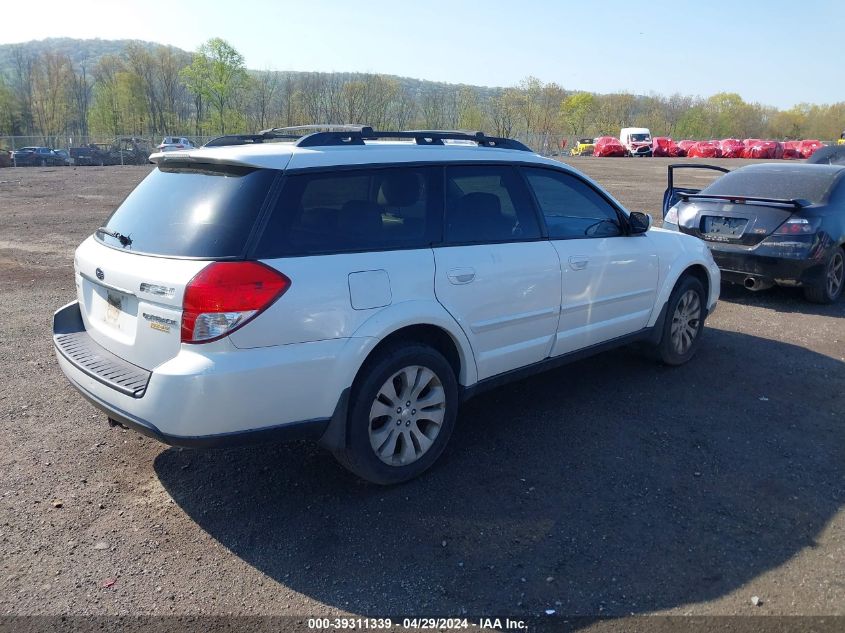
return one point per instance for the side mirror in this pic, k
(639, 222)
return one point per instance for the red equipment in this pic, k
(663, 146)
(731, 148)
(808, 148)
(764, 149)
(609, 146)
(704, 149)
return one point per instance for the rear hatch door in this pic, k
(131, 276)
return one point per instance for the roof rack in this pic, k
(338, 135)
(420, 137)
(246, 139)
(291, 133)
(314, 127)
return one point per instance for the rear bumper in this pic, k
(222, 398)
(303, 430)
(737, 267)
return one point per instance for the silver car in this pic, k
(171, 143)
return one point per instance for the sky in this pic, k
(776, 52)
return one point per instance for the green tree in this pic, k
(693, 124)
(52, 76)
(217, 75)
(578, 112)
(7, 108)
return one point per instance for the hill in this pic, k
(87, 52)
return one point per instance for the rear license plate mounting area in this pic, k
(114, 306)
(722, 228)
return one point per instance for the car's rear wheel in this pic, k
(401, 413)
(833, 283)
(685, 313)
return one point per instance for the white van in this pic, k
(637, 140)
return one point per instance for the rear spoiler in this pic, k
(795, 203)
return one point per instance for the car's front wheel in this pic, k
(402, 411)
(833, 283)
(684, 322)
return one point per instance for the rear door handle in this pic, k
(579, 263)
(460, 276)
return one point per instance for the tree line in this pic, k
(158, 90)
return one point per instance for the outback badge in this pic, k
(161, 324)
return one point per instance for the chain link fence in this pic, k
(12, 143)
(545, 144)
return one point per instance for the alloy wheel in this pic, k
(407, 415)
(835, 274)
(686, 321)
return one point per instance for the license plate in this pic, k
(723, 228)
(114, 305)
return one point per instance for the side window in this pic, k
(571, 207)
(487, 204)
(355, 210)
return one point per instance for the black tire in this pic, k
(667, 349)
(822, 293)
(359, 456)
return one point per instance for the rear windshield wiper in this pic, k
(120, 237)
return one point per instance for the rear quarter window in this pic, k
(190, 210)
(354, 210)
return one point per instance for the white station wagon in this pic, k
(356, 286)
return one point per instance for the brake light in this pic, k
(798, 226)
(225, 296)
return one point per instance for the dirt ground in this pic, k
(613, 486)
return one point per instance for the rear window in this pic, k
(788, 183)
(355, 210)
(205, 211)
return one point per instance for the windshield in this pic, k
(640, 138)
(191, 210)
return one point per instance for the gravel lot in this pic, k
(613, 486)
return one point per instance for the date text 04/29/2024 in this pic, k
(387, 624)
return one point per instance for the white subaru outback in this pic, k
(356, 290)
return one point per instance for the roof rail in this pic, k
(420, 137)
(246, 139)
(316, 127)
(291, 133)
(335, 135)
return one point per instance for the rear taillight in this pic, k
(671, 216)
(226, 295)
(798, 226)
